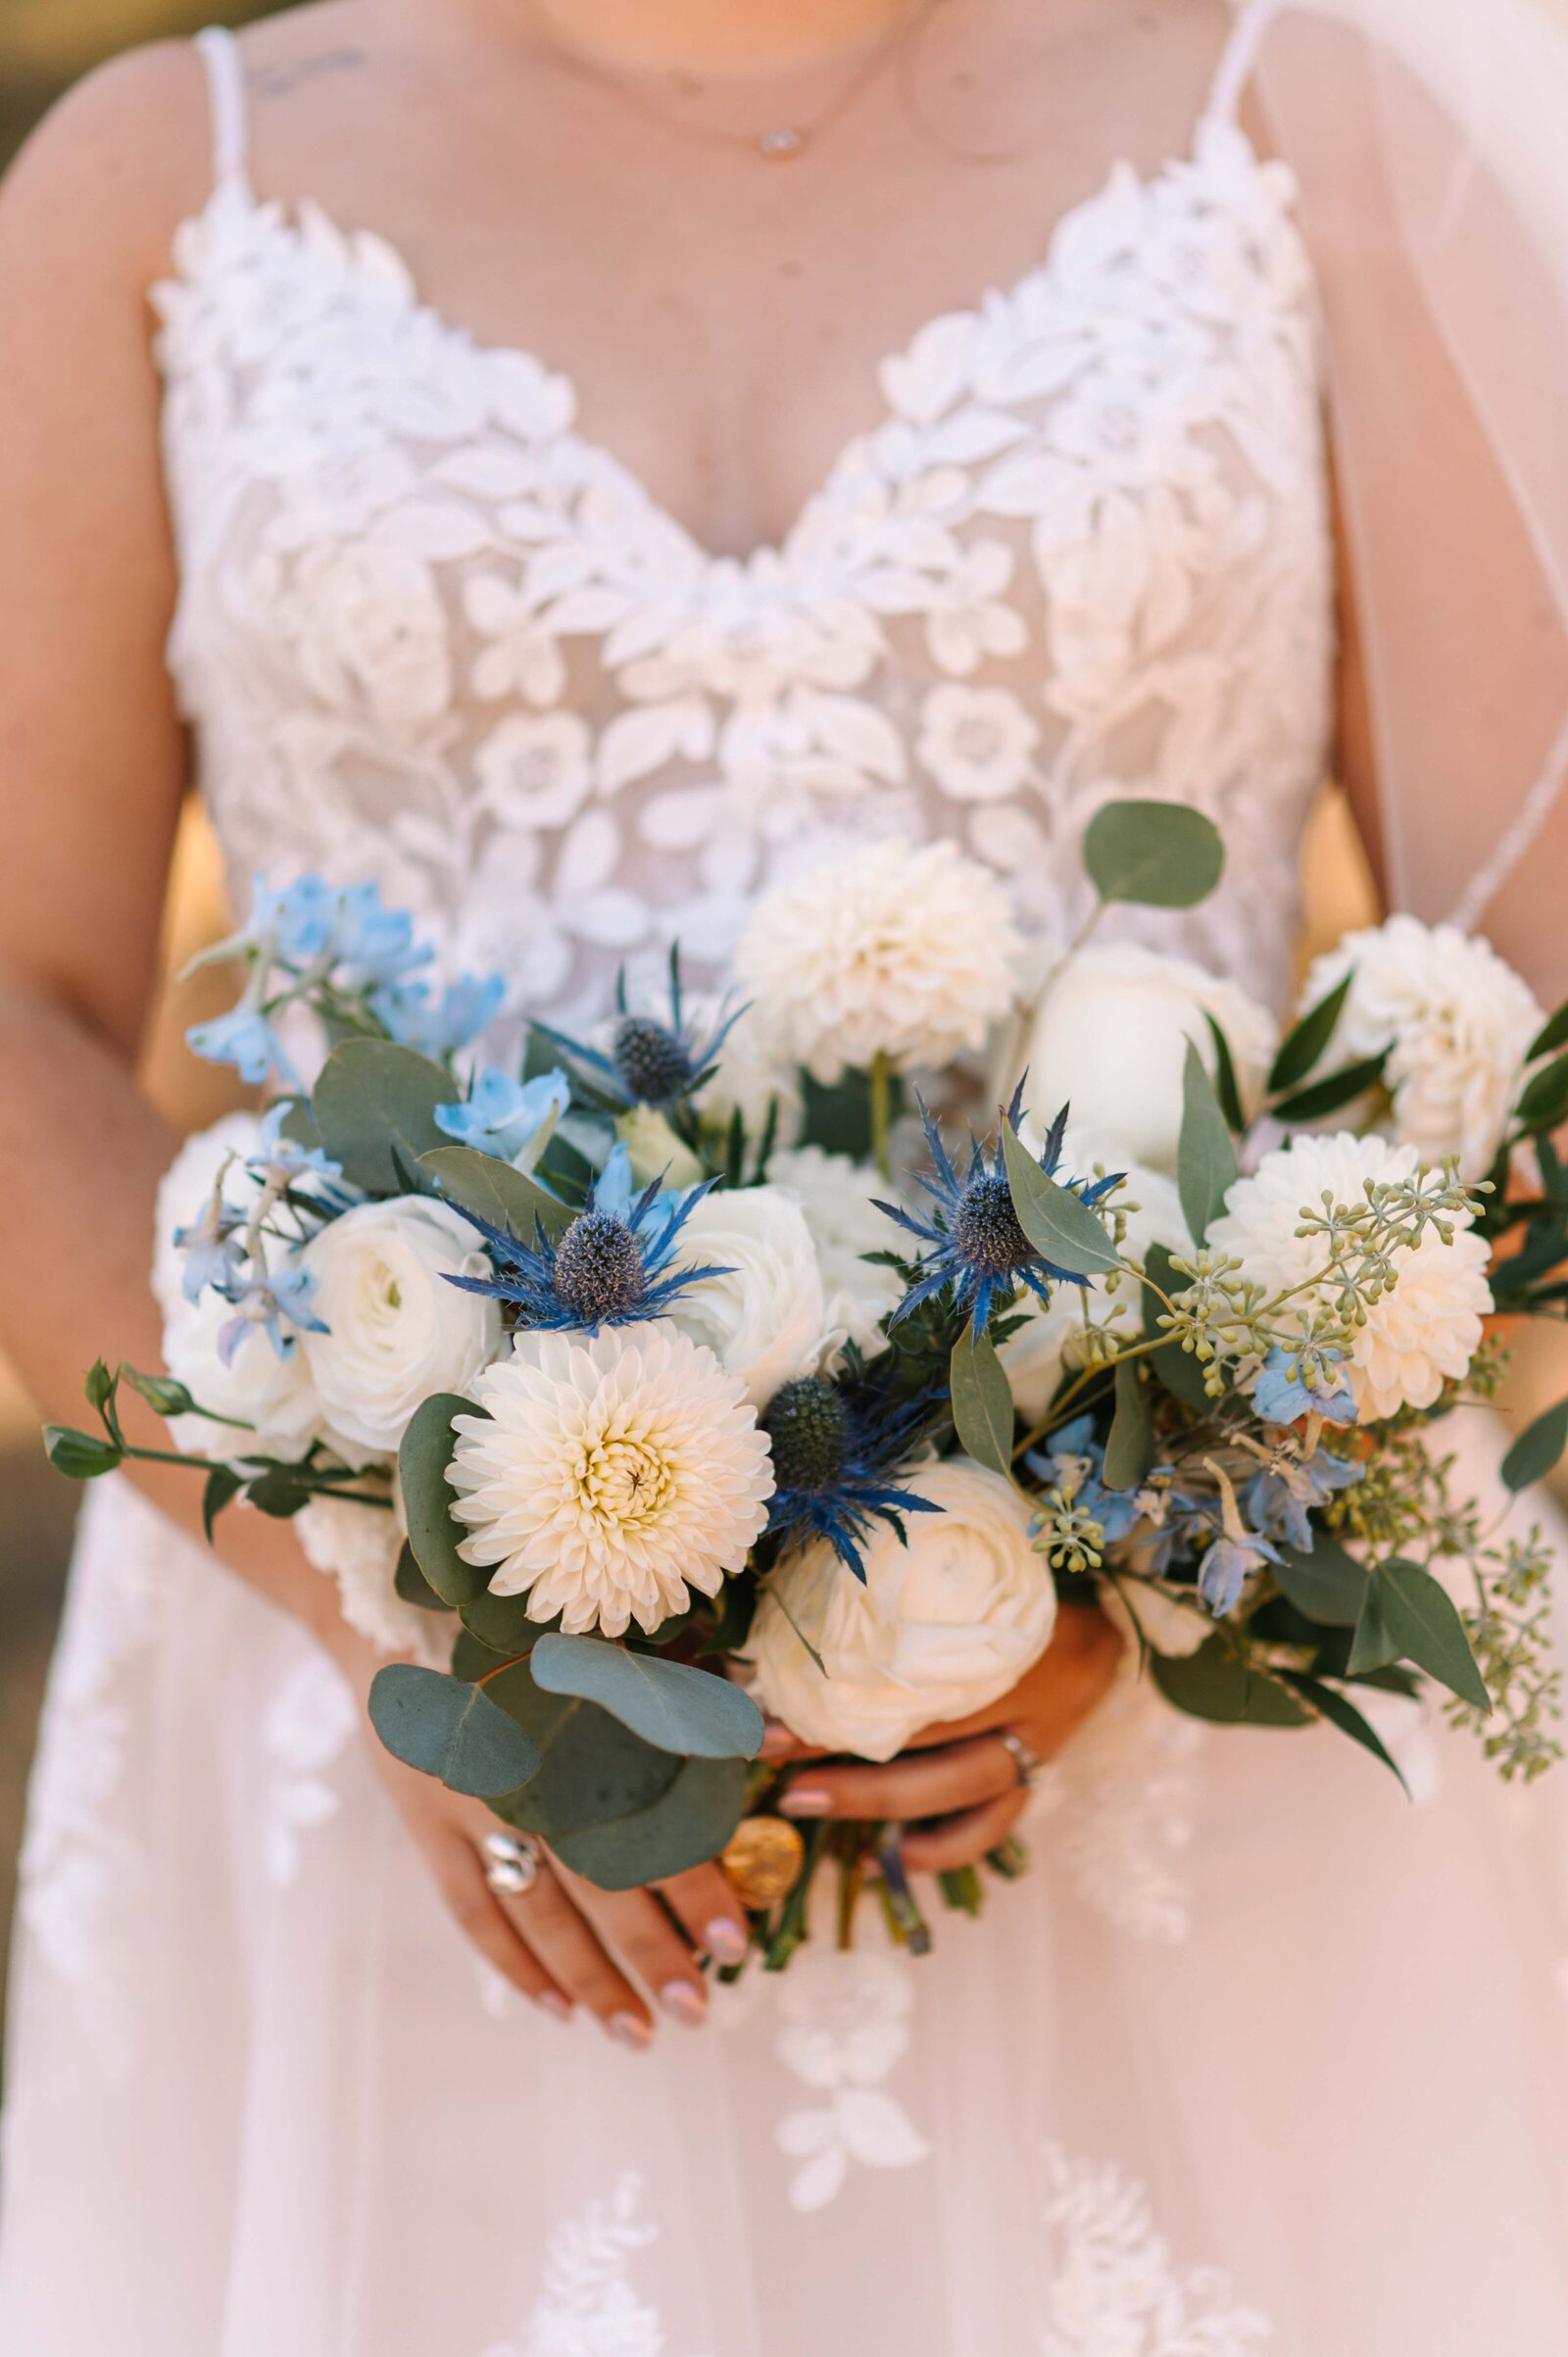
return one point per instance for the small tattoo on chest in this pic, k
(280, 81)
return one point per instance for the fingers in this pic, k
(483, 1920)
(705, 1905)
(966, 1838)
(566, 1946)
(931, 1784)
(642, 1934)
(1052, 1702)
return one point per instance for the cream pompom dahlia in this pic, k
(1426, 1329)
(610, 1474)
(903, 950)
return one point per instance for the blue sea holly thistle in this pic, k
(658, 1061)
(611, 1264)
(978, 1252)
(835, 1446)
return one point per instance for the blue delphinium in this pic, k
(1282, 1498)
(1228, 1566)
(274, 1302)
(1081, 1516)
(651, 1059)
(610, 1266)
(247, 1040)
(505, 1116)
(976, 1249)
(835, 1447)
(415, 1017)
(1282, 1396)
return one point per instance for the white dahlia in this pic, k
(901, 950)
(610, 1474)
(1427, 1330)
(1458, 1023)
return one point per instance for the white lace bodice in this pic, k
(427, 632)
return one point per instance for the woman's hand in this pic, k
(963, 1775)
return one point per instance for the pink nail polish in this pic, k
(803, 1801)
(629, 2029)
(777, 1741)
(552, 2001)
(684, 2002)
(725, 1940)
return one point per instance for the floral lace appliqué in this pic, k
(308, 1724)
(846, 2024)
(1113, 2288)
(589, 2306)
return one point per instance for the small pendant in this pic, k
(781, 145)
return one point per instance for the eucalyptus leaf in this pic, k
(1537, 1449)
(1159, 855)
(374, 1105)
(1205, 1167)
(685, 1826)
(592, 1768)
(483, 1183)
(1376, 1647)
(983, 1413)
(279, 1492)
(1061, 1227)
(434, 1537)
(1342, 1714)
(1306, 1041)
(79, 1455)
(412, 1585)
(450, 1729)
(1334, 1092)
(1130, 1449)
(1424, 1622)
(1327, 1583)
(504, 1623)
(697, 1713)
(1217, 1684)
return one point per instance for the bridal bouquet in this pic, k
(693, 1369)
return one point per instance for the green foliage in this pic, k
(1334, 1092)
(1130, 1450)
(374, 1107)
(1328, 1585)
(1159, 855)
(1341, 1712)
(982, 1403)
(1206, 1168)
(433, 1535)
(1220, 1684)
(592, 1769)
(685, 1826)
(1066, 1231)
(1410, 1616)
(451, 1730)
(483, 1183)
(697, 1713)
(503, 1623)
(838, 1118)
(1537, 1448)
(79, 1455)
(1306, 1043)
(413, 1586)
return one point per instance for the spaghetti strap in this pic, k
(225, 83)
(1240, 58)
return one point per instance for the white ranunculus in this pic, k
(396, 1329)
(839, 1198)
(769, 1318)
(1109, 1039)
(1458, 1023)
(275, 1394)
(939, 1628)
(901, 950)
(1425, 1330)
(1051, 1338)
(358, 1545)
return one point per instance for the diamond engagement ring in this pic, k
(511, 1863)
(1030, 1766)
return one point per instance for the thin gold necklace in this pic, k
(783, 141)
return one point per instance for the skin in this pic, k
(724, 339)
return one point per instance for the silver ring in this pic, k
(1030, 1766)
(511, 1863)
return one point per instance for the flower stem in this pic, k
(882, 1112)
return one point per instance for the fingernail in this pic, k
(629, 2029)
(805, 1802)
(726, 1942)
(551, 2002)
(686, 2003)
(776, 1740)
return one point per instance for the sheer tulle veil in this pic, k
(1429, 141)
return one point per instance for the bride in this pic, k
(1258, 2056)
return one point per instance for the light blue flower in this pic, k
(505, 1116)
(374, 946)
(1228, 1566)
(245, 1039)
(269, 1300)
(1282, 1498)
(295, 923)
(1282, 1398)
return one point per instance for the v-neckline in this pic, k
(291, 219)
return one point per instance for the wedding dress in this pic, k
(1258, 2056)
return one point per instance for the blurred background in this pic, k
(44, 45)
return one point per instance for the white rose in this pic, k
(940, 1627)
(396, 1330)
(839, 1198)
(258, 1386)
(901, 950)
(1109, 1039)
(1458, 1023)
(359, 1547)
(1051, 1338)
(769, 1318)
